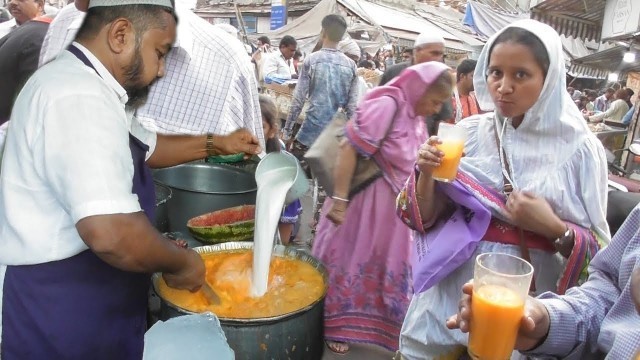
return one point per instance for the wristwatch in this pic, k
(209, 145)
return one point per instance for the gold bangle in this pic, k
(209, 145)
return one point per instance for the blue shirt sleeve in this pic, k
(626, 120)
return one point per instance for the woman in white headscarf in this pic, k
(535, 139)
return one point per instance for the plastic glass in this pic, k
(453, 139)
(500, 288)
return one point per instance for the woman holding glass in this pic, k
(535, 167)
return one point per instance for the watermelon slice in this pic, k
(232, 224)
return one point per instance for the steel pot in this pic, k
(200, 188)
(297, 335)
(163, 195)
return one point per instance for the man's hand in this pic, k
(239, 141)
(191, 276)
(534, 326)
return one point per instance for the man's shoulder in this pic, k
(66, 76)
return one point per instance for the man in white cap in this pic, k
(210, 85)
(77, 198)
(427, 47)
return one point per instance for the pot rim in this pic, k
(278, 250)
(205, 165)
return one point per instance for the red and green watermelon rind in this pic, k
(233, 224)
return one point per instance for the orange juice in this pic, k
(448, 168)
(496, 315)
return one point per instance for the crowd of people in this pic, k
(613, 105)
(136, 91)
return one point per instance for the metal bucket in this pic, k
(200, 188)
(279, 160)
(297, 335)
(163, 195)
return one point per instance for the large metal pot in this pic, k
(199, 188)
(163, 195)
(297, 335)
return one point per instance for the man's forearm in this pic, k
(129, 242)
(173, 150)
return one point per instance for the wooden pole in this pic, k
(241, 23)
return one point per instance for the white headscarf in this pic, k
(552, 153)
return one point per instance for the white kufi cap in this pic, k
(96, 3)
(428, 38)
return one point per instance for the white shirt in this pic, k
(67, 157)
(209, 84)
(7, 27)
(276, 65)
(61, 32)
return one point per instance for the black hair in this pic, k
(408, 51)
(610, 90)
(365, 64)
(287, 41)
(334, 27)
(297, 54)
(264, 39)
(143, 17)
(528, 39)
(630, 92)
(465, 67)
(270, 115)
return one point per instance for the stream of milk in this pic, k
(273, 186)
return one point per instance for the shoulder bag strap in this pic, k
(507, 190)
(379, 159)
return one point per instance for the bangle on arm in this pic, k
(340, 199)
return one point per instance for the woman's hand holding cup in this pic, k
(429, 157)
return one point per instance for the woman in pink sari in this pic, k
(359, 239)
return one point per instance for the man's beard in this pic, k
(136, 92)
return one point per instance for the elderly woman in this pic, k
(536, 143)
(359, 239)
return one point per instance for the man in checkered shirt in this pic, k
(209, 86)
(597, 320)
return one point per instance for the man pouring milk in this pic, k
(77, 196)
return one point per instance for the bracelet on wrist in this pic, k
(340, 199)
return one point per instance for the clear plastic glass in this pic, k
(453, 139)
(500, 288)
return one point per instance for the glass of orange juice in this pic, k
(453, 138)
(500, 288)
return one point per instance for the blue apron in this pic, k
(80, 307)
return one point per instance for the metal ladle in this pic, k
(209, 294)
